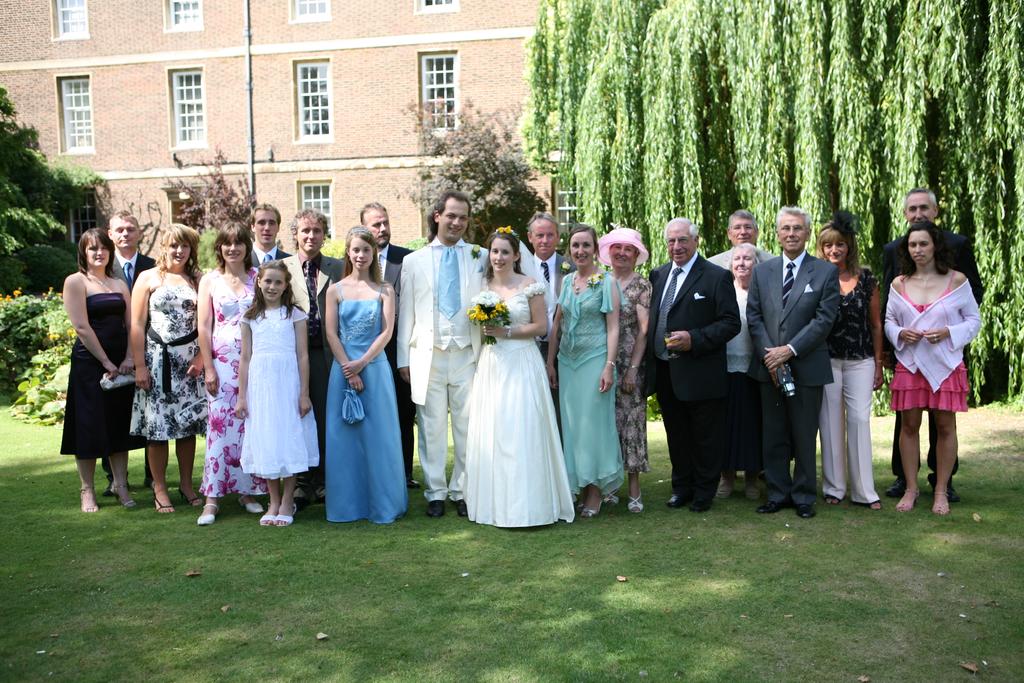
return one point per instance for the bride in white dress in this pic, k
(515, 472)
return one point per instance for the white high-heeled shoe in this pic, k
(208, 519)
(252, 507)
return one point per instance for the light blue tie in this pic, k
(267, 258)
(128, 273)
(448, 281)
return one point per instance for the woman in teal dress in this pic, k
(365, 469)
(585, 337)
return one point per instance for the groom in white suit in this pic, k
(438, 346)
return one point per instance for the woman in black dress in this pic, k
(95, 421)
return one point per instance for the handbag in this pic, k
(106, 384)
(352, 408)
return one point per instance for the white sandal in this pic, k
(635, 505)
(208, 519)
(252, 507)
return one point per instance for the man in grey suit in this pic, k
(123, 230)
(542, 232)
(375, 217)
(742, 230)
(792, 304)
(312, 273)
(265, 223)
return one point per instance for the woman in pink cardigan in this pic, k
(931, 315)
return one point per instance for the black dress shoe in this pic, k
(678, 500)
(771, 507)
(805, 511)
(898, 488)
(700, 505)
(435, 508)
(411, 483)
(108, 492)
(460, 507)
(951, 495)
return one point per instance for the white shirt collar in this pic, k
(383, 253)
(797, 262)
(438, 243)
(686, 266)
(121, 260)
(259, 254)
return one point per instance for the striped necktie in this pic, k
(787, 284)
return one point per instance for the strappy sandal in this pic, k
(123, 497)
(907, 506)
(635, 504)
(195, 501)
(832, 500)
(160, 507)
(81, 496)
(938, 508)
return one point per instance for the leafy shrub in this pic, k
(12, 275)
(46, 266)
(42, 392)
(29, 324)
(335, 248)
(207, 257)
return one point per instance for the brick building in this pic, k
(145, 92)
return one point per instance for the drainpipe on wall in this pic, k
(248, 89)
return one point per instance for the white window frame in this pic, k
(300, 110)
(321, 204)
(297, 18)
(428, 105)
(169, 17)
(566, 209)
(178, 109)
(437, 6)
(70, 8)
(82, 218)
(76, 121)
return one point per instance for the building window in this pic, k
(76, 114)
(72, 19)
(566, 209)
(311, 10)
(317, 196)
(82, 218)
(440, 89)
(188, 108)
(185, 15)
(434, 6)
(314, 99)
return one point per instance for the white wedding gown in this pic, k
(515, 472)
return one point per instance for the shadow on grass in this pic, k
(727, 595)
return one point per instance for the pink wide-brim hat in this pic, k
(621, 236)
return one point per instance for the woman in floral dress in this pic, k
(169, 402)
(224, 295)
(623, 249)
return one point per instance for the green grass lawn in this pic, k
(724, 596)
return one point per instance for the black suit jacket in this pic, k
(963, 260)
(705, 306)
(393, 275)
(142, 264)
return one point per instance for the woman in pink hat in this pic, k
(623, 250)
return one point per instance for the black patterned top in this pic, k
(851, 335)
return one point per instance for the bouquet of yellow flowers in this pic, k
(488, 309)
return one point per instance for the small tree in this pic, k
(212, 199)
(482, 157)
(33, 194)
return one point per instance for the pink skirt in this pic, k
(911, 390)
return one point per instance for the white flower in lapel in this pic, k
(565, 267)
(475, 251)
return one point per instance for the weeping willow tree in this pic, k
(661, 108)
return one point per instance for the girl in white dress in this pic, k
(279, 438)
(515, 473)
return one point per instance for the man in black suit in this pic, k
(920, 205)
(693, 315)
(123, 230)
(791, 307)
(265, 223)
(312, 273)
(375, 217)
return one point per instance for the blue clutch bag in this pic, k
(352, 407)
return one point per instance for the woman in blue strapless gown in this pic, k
(365, 471)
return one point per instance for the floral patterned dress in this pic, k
(174, 407)
(222, 473)
(631, 408)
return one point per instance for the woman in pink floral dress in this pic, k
(224, 295)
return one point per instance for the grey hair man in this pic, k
(742, 230)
